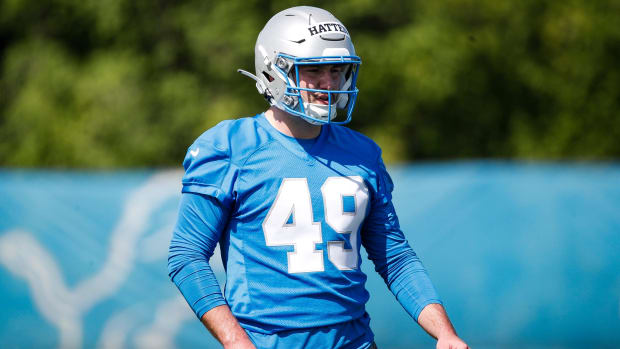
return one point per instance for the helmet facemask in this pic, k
(343, 97)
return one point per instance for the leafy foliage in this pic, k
(105, 84)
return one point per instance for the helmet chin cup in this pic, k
(319, 113)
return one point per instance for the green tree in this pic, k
(105, 84)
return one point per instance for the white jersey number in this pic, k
(290, 221)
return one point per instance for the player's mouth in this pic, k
(321, 98)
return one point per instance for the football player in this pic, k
(290, 195)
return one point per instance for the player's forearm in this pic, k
(225, 328)
(435, 321)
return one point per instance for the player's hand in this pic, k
(451, 342)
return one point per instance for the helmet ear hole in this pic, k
(268, 77)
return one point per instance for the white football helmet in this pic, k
(305, 35)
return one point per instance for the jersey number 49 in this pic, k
(290, 222)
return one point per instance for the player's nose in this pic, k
(327, 81)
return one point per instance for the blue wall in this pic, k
(524, 255)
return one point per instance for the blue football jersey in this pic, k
(298, 212)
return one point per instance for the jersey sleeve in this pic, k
(209, 169)
(394, 259)
(195, 236)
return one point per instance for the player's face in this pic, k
(323, 77)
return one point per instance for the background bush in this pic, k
(119, 83)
